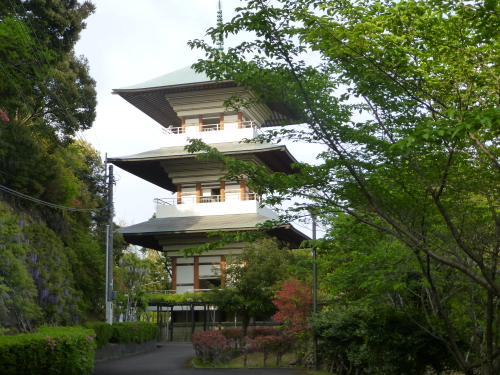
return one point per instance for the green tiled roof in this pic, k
(226, 148)
(147, 234)
(195, 224)
(182, 76)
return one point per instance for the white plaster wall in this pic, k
(185, 275)
(185, 260)
(231, 207)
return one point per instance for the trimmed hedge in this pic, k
(180, 298)
(104, 332)
(134, 331)
(50, 351)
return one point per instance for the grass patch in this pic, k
(199, 364)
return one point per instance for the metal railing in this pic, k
(198, 290)
(194, 128)
(193, 199)
(171, 291)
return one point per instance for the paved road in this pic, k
(172, 359)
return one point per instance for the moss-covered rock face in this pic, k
(48, 263)
(42, 280)
(17, 288)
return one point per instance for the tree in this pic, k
(131, 275)
(249, 281)
(294, 303)
(421, 163)
(160, 272)
(43, 81)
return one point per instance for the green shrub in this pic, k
(380, 341)
(52, 350)
(134, 331)
(104, 332)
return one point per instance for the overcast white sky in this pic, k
(128, 42)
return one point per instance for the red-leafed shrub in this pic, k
(234, 335)
(263, 331)
(209, 345)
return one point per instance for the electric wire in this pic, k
(17, 89)
(48, 204)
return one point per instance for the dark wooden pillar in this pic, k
(192, 319)
(196, 273)
(171, 323)
(204, 317)
(174, 275)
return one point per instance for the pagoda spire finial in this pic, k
(220, 39)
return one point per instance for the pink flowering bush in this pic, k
(209, 345)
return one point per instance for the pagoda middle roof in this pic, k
(148, 165)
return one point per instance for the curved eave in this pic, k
(152, 100)
(152, 168)
(149, 233)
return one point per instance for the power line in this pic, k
(52, 205)
(17, 89)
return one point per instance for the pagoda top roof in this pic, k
(184, 76)
(149, 96)
(145, 234)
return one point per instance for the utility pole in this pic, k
(315, 287)
(109, 250)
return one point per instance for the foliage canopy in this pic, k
(403, 97)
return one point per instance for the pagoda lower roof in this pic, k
(146, 234)
(149, 165)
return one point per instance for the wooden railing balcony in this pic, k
(193, 199)
(194, 128)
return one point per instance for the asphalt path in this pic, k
(173, 359)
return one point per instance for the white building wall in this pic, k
(230, 207)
